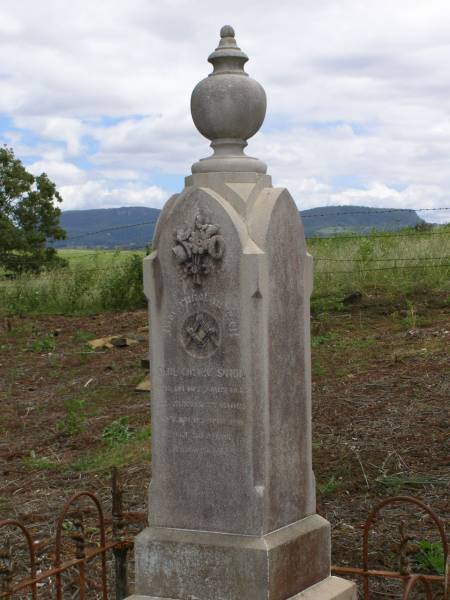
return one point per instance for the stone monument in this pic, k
(232, 496)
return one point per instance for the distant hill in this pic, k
(78, 223)
(323, 221)
(329, 220)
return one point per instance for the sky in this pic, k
(97, 95)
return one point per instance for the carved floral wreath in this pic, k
(193, 247)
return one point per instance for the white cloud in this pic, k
(101, 194)
(62, 173)
(358, 107)
(56, 129)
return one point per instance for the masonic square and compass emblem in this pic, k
(200, 334)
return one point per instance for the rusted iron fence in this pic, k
(119, 545)
(50, 581)
(405, 574)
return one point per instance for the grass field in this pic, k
(402, 263)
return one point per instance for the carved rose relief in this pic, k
(196, 248)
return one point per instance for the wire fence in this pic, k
(373, 212)
(324, 247)
(352, 236)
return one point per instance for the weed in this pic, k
(317, 369)
(320, 307)
(411, 316)
(318, 340)
(430, 557)
(328, 487)
(73, 422)
(46, 344)
(117, 432)
(143, 434)
(83, 336)
(39, 463)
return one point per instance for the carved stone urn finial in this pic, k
(228, 107)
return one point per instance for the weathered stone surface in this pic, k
(230, 364)
(332, 588)
(214, 566)
(228, 107)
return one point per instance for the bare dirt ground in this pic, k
(381, 389)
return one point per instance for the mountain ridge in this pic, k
(133, 226)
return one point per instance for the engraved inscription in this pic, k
(202, 372)
(205, 410)
(196, 248)
(200, 334)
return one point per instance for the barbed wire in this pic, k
(117, 228)
(75, 272)
(376, 235)
(304, 216)
(373, 211)
(396, 268)
(318, 237)
(363, 260)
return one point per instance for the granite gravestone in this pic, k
(231, 501)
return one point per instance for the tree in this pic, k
(29, 217)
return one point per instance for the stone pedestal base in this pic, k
(182, 564)
(331, 588)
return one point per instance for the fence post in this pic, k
(121, 552)
(80, 550)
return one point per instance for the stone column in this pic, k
(232, 496)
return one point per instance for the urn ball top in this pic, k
(227, 31)
(228, 107)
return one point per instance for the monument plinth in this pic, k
(231, 501)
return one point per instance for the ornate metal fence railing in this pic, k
(70, 526)
(405, 574)
(63, 578)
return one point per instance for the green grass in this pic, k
(429, 557)
(326, 488)
(89, 258)
(45, 344)
(121, 447)
(83, 336)
(345, 264)
(120, 454)
(73, 422)
(40, 463)
(117, 432)
(112, 280)
(411, 480)
(80, 289)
